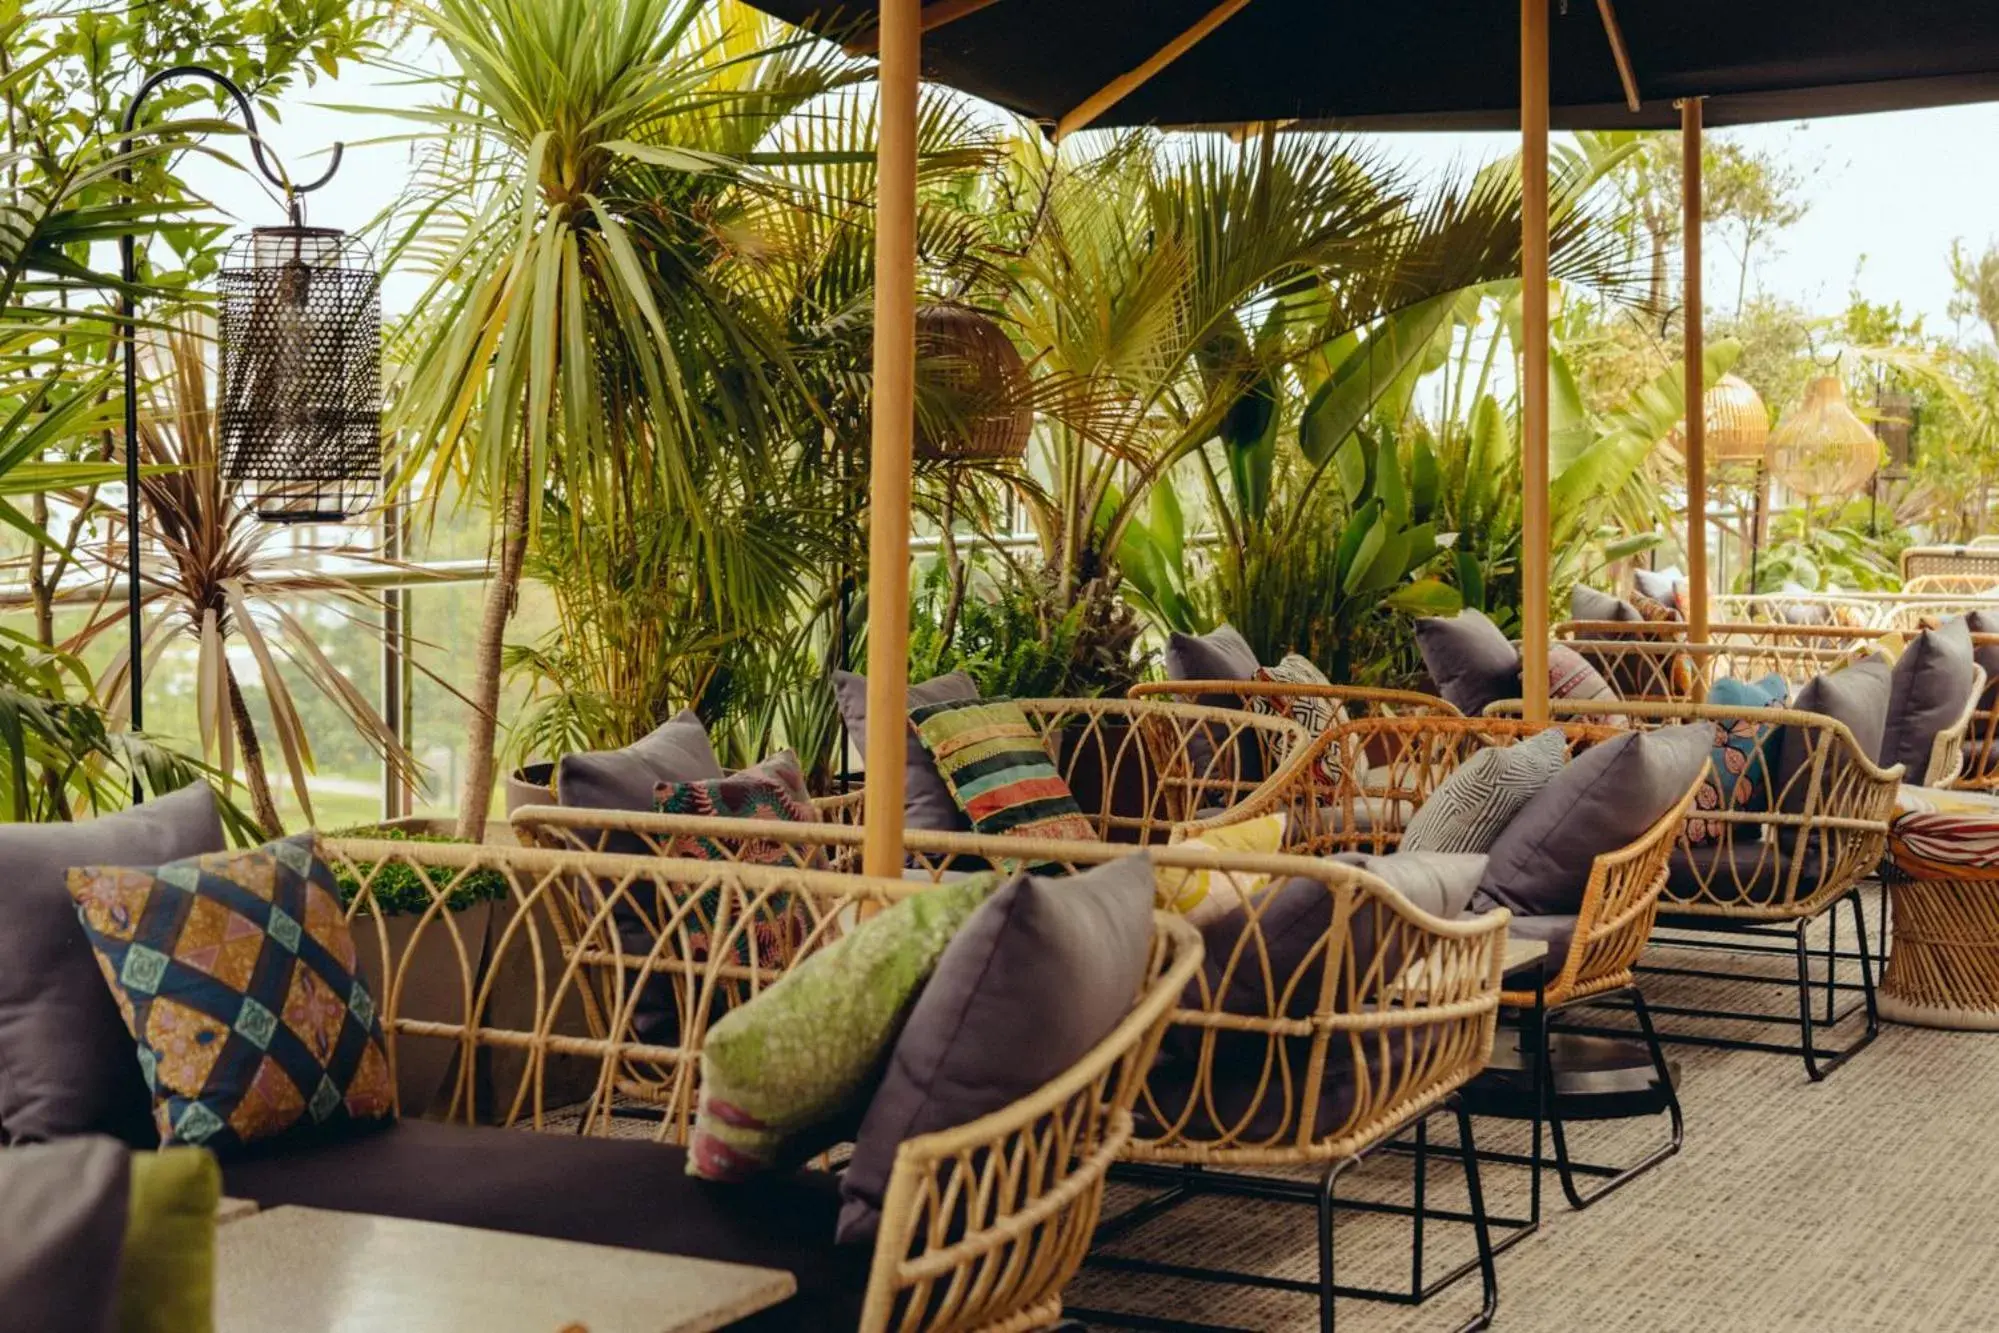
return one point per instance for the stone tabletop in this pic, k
(312, 1271)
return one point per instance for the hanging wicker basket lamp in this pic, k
(1738, 425)
(1823, 448)
(301, 383)
(976, 409)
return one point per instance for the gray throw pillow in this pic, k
(1928, 690)
(1586, 603)
(1601, 801)
(1041, 973)
(63, 1208)
(1441, 883)
(1986, 654)
(68, 1064)
(926, 802)
(675, 751)
(1662, 586)
(1472, 807)
(1856, 695)
(1221, 655)
(1472, 662)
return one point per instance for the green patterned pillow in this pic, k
(997, 769)
(795, 1057)
(237, 976)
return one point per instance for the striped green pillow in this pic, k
(993, 761)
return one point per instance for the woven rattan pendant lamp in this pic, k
(1823, 448)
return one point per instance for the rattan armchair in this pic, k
(1654, 663)
(983, 1224)
(1298, 1077)
(1751, 871)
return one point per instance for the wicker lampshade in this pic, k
(979, 383)
(1823, 448)
(301, 383)
(1738, 425)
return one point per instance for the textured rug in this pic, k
(1867, 1202)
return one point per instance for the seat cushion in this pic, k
(620, 1192)
(68, 1064)
(1586, 603)
(1558, 931)
(1606, 797)
(1751, 871)
(1928, 691)
(1221, 655)
(926, 801)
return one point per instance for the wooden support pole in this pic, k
(1124, 85)
(1696, 386)
(1621, 54)
(894, 407)
(1534, 358)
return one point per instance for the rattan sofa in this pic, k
(983, 1224)
(1268, 1083)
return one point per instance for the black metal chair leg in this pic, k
(1806, 1042)
(1565, 1170)
(1867, 969)
(1832, 966)
(1488, 1271)
(1327, 1185)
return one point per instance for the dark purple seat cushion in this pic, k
(1044, 970)
(1603, 800)
(926, 802)
(1752, 871)
(68, 1064)
(1928, 690)
(623, 1192)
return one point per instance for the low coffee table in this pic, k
(312, 1271)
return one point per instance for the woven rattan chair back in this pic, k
(982, 1224)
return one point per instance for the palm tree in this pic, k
(574, 340)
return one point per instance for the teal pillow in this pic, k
(1739, 775)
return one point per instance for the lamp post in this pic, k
(128, 267)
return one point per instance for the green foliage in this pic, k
(1824, 556)
(1006, 627)
(402, 889)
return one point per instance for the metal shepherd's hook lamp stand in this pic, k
(299, 408)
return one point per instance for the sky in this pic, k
(1886, 194)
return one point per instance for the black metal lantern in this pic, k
(301, 385)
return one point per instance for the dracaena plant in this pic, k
(217, 576)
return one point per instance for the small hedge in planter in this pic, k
(401, 889)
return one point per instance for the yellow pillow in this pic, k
(1206, 895)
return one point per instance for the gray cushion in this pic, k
(1986, 654)
(1662, 586)
(68, 1064)
(1469, 809)
(1471, 661)
(1586, 603)
(1604, 798)
(1750, 870)
(1558, 932)
(62, 1211)
(1856, 695)
(1042, 972)
(1441, 883)
(926, 801)
(1928, 690)
(676, 751)
(1221, 655)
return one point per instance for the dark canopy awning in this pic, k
(1453, 64)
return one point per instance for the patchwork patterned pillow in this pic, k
(1315, 713)
(1677, 676)
(1739, 773)
(1472, 807)
(775, 790)
(994, 763)
(236, 974)
(800, 1054)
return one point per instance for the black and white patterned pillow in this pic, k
(1472, 807)
(1316, 713)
